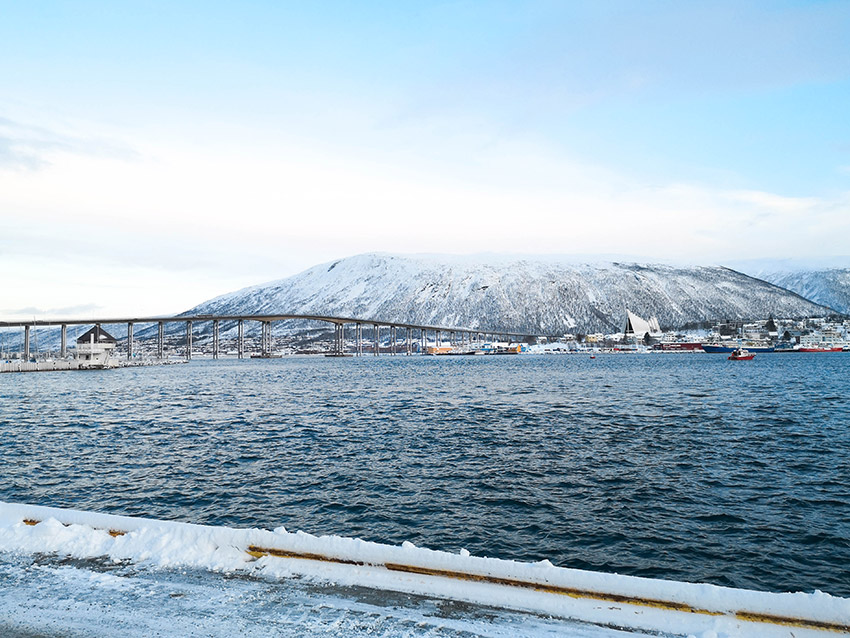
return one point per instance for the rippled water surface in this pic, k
(688, 467)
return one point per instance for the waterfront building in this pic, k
(94, 348)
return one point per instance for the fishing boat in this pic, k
(741, 355)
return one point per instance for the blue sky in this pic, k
(173, 151)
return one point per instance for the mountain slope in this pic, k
(538, 296)
(829, 287)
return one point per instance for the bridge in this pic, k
(455, 335)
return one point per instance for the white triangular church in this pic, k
(638, 326)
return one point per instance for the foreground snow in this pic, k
(53, 596)
(161, 565)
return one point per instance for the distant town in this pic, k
(766, 335)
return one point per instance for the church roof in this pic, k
(640, 326)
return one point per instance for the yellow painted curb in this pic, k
(748, 616)
(572, 592)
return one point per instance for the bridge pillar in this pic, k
(339, 339)
(266, 338)
(160, 340)
(392, 340)
(215, 338)
(240, 339)
(358, 336)
(407, 343)
(377, 330)
(437, 336)
(423, 337)
(26, 342)
(63, 349)
(129, 340)
(188, 341)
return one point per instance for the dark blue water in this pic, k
(687, 467)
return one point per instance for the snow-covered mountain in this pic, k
(828, 287)
(535, 295)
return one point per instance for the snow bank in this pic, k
(607, 599)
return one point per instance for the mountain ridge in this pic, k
(828, 287)
(538, 296)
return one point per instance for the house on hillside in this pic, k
(94, 349)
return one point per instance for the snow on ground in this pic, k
(98, 598)
(67, 575)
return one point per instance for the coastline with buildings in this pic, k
(98, 349)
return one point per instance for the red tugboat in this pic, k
(741, 355)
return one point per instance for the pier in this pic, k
(352, 336)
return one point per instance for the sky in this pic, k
(156, 154)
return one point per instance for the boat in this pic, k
(786, 346)
(821, 348)
(741, 354)
(678, 346)
(716, 347)
(439, 350)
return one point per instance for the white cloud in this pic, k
(775, 204)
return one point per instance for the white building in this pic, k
(638, 327)
(94, 349)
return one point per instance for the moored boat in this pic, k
(678, 346)
(716, 347)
